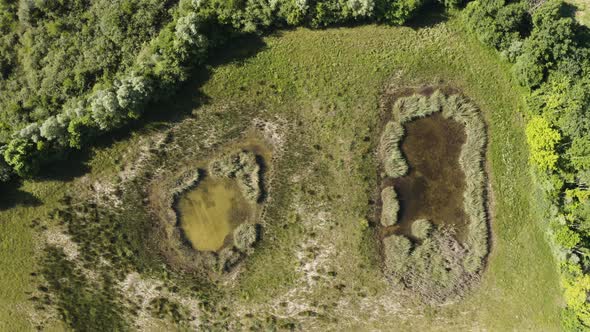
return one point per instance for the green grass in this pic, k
(332, 79)
(325, 87)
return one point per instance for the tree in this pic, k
(105, 109)
(576, 294)
(52, 129)
(542, 140)
(132, 93)
(20, 154)
(567, 238)
(361, 8)
(396, 12)
(579, 153)
(5, 170)
(528, 71)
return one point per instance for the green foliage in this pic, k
(567, 238)
(396, 11)
(497, 23)
(396, 249)
(576, 295)
(542, 140)
(553, 64)
(20, 154)
(394, 163)
(164, 308)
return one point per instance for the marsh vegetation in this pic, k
(212, 208)
(439, 242)
(312, 96)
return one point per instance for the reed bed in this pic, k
(467, 257)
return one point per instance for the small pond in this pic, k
(210, 211)
(433, 188)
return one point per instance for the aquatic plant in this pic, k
(471, 160)
(396, 250)
(394, 163)
(245, 235)
(436, 266)
(390, 206)
(422, 228)
(244, 168)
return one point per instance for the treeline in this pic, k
(552, 59)
(72, 70)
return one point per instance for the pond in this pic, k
(434, 186)
(209, 213)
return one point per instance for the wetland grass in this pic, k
(441, 195)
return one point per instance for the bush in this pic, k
(20, 154)
(433, 269)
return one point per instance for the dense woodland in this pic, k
(73, 70)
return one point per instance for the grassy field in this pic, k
(316, 266)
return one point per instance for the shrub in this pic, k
(527, 70)
(245, 236)
(5, 170)
(228, 258)
(421, 228)
(390, 206)
(542, 140)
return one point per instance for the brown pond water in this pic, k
(433, 188)
(210, 212)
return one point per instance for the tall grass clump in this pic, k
(389, 206)
(244, 168)
(439, 267)
(422, 228)
(394, 163)
(471, 160)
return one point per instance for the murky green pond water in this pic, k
(210, 212)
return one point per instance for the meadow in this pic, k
(318, 95)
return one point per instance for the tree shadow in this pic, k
(161, 114)
(11, 196)
(427, 16)
(582, 31)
